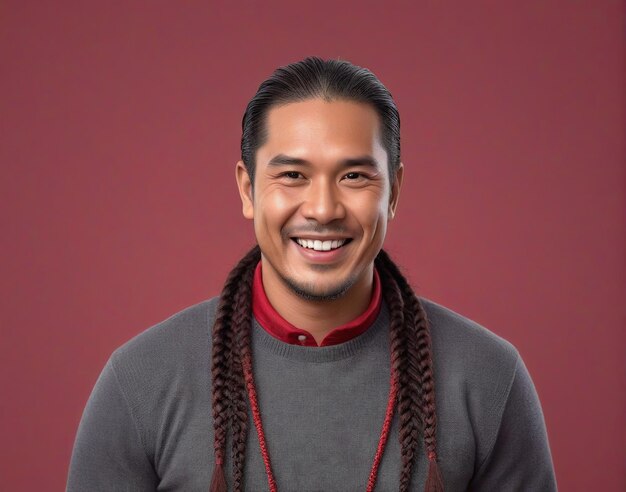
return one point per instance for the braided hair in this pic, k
(410, 358)
(409, 333)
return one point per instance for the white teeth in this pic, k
(318, 245)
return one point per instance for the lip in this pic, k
(314, 256)
(319, 238)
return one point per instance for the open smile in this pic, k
(321, 245)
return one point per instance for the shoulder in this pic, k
(488, 411)
(455, 336)
(469, 359)
(156, 374)
(171, 344)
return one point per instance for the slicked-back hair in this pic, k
(330, 80)
(409, 331)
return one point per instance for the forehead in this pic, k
(325, 130)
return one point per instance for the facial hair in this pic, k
(307, 290)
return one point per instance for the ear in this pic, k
(245, 190)
(395, 191)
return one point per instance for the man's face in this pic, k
(321, 198)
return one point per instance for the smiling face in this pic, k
(321, 198)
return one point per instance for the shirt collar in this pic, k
(280, 328)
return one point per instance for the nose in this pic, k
(322, 202)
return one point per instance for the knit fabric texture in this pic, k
(148, 426)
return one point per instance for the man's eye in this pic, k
(292, 174)
(353, 176)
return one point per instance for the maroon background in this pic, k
(120, 130)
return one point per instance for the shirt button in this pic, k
(302, 339)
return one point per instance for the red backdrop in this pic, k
(120, 129)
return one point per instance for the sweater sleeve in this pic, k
(108, 452)
(520, 457)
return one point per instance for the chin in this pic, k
(312, 291)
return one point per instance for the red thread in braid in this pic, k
(256, 416)
(391, 405)
(225, 404)
(418, 375)
(218, 480)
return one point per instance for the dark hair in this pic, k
(325, 79)
(409, 331)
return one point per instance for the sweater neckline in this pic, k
(264, 341)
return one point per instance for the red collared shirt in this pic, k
(280, 328)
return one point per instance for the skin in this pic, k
(321, 174)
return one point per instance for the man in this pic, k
(316, 339)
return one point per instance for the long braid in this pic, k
(222, 362)
(408, 404)
(241, 328)
(423, 343)
(419, 364)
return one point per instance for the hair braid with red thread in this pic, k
(226, 382)
(408, 405)
(241, 328)
(411, 358)
(420, 366)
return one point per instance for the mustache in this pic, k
(322, 230)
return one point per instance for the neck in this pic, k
(317, 317)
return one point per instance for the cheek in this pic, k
(370, 211)
(274, 209)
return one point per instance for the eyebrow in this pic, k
(285, 160)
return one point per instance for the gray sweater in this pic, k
(148, 426)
